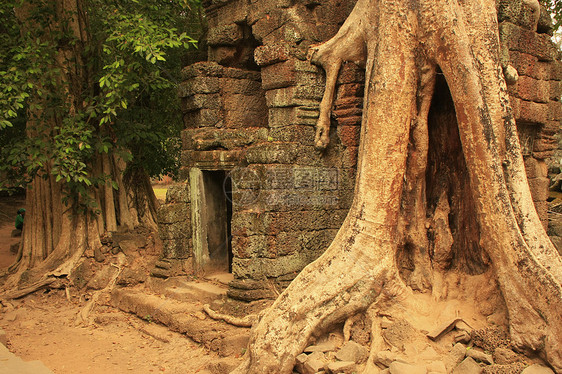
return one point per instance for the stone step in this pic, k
(11, 364)
(179, 288)
(220, 278)
(184, 317)
(163, 264)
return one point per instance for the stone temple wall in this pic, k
(250, 110)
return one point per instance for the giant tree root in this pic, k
(359, 271)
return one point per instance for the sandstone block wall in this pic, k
(535, 97)
(250, 111)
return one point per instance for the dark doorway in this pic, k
(217, 213)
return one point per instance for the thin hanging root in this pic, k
(246, 321)
(83, 316)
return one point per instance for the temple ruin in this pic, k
(257, 199)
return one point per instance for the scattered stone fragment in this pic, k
(343, 367)
(462, 337)
(436, 367)
(327, 346)
(400, 333)
(401, 368)
(468, 366)
(386, 357)
(429, 354)
(505, 356)
(300, 361)
(455, 356)
(537, 369)
(463, 326)
(98, 255)
(352, 351)
(478, 355)
(443, 328)
(313, 365)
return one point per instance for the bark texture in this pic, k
(407, 227)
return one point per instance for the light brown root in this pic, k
(246, 321)
(16, 294)
(84, 315)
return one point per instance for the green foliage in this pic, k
(555, 8)
(113, 90)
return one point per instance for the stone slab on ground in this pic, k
(181, 289)
(11, 364)
(184, 317)
(537, 369)
(223, 278)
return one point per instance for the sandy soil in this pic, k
(42, 327)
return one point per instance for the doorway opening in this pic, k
(217, 217)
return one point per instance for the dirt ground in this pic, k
(42, 327)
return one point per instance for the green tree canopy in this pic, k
(128, 64)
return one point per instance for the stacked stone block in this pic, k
(535, 97)
(175, 224)
(251, 109)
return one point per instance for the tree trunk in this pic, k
(382, 251)
(56, 234)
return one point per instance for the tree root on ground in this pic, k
(84, 314)
(246, 321)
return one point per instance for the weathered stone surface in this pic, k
(537, 369)
(526, 41)
(345, 367)
(265, 55)
(402, 368)
(213, 69)
(98, 255)
(202, 101)
(386, 358)
(468, 366)
(177, 193)
(173, 213)
(436, 367)
(478, 355)
(272, 153)
(314, 363)
(352, 351)
(132, 276)
(505, 356)
(400, 333)
(529, 65)
(272, 223)
(531, 89)
(455, 356)
(531, 112)
(257, 268)
(102, 278)
(535, 168)
(300, 360)
(225, 35)
(212, 138)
